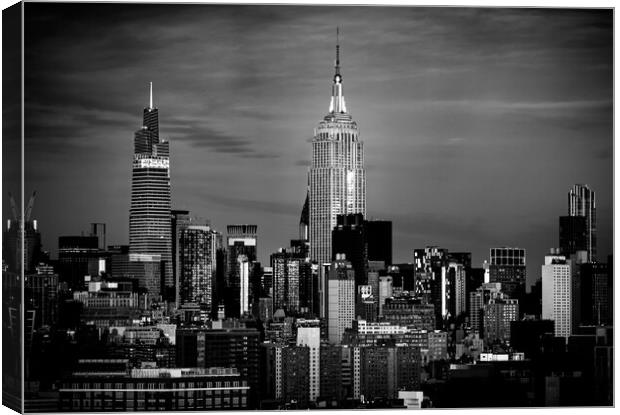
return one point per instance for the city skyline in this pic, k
(239, 113)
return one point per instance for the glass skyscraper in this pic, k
(337, 176)
(582, 202)
(149, 215)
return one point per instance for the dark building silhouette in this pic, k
(379, 237)
(330, 371)
(573, 234)
(12, 253)
(596, 295)
(74, 254)
(349, 238)
(362, 241)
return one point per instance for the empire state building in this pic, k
(337, 176)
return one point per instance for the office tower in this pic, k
(310, 337)
(582, 202)
(304, 227)
(498, 314)
(296, 376)
(149, 215)
(179, 219)
(232, 347)
(98, 230)
(379, 237)
(337, 175)
(596, 294)
(430, 264)
(197, 247)
(291, 281)
(74, 254)
(454, 293)
(340, 298)
(507, 266)
(242, 240)
(349, 238)
(557, 292)
(573, 234)
(478, 299)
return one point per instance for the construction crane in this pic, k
(30, 206)
(13, 207)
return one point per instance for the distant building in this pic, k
(498, 315)
(241, 240)
(296, 376)
(573, 234)
(508, 267)
(310, 337)
(197, 247)
(41, 295)
(153, 389)
(12, 246)
(557, 293)
(233, 347)
(340, 299)
(292, 275)
(582, 202)
(74, 254)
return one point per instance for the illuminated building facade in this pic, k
(149, 214)
(337, 175)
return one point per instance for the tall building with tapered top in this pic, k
(582, 202)
(337, 175)
(149, 215)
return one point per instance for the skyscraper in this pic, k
(197, 247)
(241, 242)
(582, 202)
(149, 214)
(337, 175)
(340, 298)
(557, 293)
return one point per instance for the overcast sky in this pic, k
(475, 122)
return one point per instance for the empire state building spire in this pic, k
(337, 104)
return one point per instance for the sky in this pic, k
(476, 122)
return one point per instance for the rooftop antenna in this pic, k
(151, 100)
